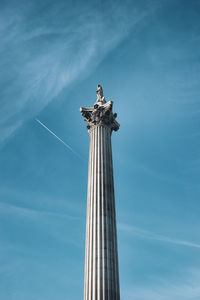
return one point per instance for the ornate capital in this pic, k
(101, 114)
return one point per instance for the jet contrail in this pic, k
(133, 230)
(66, 145)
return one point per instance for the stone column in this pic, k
(101, 257)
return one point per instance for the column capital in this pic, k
(101, 113)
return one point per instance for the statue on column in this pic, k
(101, 113)
(99, 92)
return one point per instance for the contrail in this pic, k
(66, 145)
(133, 230)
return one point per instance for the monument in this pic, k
(101, 255)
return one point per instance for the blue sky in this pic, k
(146, 55)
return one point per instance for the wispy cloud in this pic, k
(46, 222)
(145, 234)
(184, 287)
(45, 46)
(30, 213)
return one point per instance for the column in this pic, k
(101, 255)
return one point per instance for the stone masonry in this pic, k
(101, 255)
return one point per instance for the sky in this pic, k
(146, 56)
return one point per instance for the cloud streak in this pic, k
(49, 45)
(47, 222)
(184, 288)
(144, 234)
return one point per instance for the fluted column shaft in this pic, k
(101, 257)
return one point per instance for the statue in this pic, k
(99, 92)
(101, 113)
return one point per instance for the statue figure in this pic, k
(99, 92)
(101, 113)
